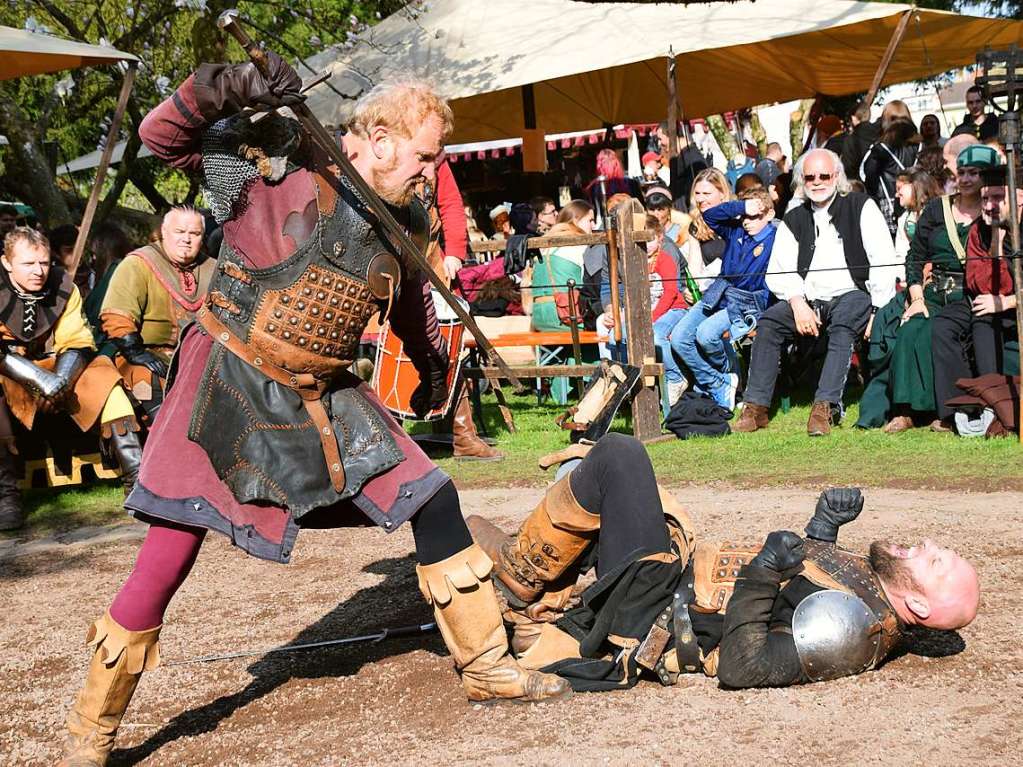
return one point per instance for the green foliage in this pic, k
(71, 111)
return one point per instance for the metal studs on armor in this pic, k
(301, 341)
(299, 305)
(328, 316)
(292, 320)
(321, 331)
(278, 313)
(285, 299)
(307, 326)
(313, 276)
(271, 328)
(307, 291)
(316, 346)
(287, 335)
(315, 311)
(320, 295)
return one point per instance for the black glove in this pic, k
(222, 90)
(835, 507)
(133, 350)
(782, 553)
(431, 393)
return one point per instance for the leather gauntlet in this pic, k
(222, 90)
(133, 350)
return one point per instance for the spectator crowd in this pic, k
(878, 256)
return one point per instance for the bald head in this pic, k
(926, 584)
(954, 146)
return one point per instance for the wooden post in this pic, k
(639, 329)
(672, 107)
(1012, 149)
(101, 169)
(889, 54)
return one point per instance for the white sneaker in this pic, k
(676, 390)
(733, 387)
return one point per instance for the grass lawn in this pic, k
(780, 455)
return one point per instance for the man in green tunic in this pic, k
(902, 372)
(153, 294)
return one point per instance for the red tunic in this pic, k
(176, 480)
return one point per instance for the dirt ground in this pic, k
(399, 701)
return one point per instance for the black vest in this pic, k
(845, 212)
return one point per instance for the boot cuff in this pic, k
(119, 426)
(564, 510)
(460, 571)
(141, 649)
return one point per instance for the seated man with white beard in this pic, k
(827, 269)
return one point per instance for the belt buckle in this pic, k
(652, 647)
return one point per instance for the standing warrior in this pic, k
(264, 431)
(784, 612)
(153, 295)
(47, 363)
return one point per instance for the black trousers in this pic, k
(438, 527)
(965, 346)
(990, 333)
(843, 320)
(616, 480)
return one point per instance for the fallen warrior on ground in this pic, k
(787, 611)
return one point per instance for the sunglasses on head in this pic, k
(809, 178)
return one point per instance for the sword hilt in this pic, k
(230, 23)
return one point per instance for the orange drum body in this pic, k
(394, 377)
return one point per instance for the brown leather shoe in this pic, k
(898, 424)
(751, 418)
(467, 444)
(819, 423)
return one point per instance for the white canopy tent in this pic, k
(592, 64)
(32, 53)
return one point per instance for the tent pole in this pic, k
(101, 169)
(889, 54)
(672, 108)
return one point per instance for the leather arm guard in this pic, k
(751, 655)
(222, 90)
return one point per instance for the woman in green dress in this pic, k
(902, 384)
(559, 265)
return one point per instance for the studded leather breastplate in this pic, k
(307, 313)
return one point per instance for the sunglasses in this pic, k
(809, 178)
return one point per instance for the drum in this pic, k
(395, 378)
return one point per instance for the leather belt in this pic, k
(306, 385)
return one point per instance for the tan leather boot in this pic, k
(469, 618)
(467, 444)
(548, 542)
(752, 418)
(120, 658)
(819, 423)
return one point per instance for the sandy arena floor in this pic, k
(399, 702)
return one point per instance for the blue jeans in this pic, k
(697, 342)
(662, 331)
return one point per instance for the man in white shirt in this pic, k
(831, 268)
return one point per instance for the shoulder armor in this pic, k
(836, 635)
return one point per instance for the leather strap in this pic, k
(304, 384)
(950, 228)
